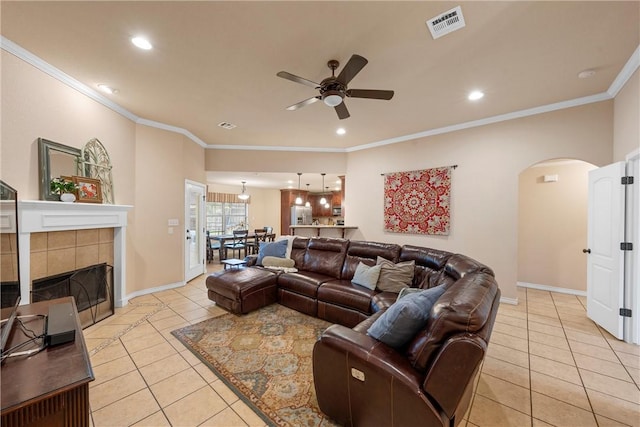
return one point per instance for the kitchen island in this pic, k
(317, 228)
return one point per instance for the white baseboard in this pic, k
(123, 302)
(512, 301)
(552, 289)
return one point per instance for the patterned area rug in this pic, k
(265, 357)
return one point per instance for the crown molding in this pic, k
(625, 74)
(627, 71)
(486, 121)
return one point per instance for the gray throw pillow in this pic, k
(405, 318)
(395, 277)
(277, 249)
(366, 275)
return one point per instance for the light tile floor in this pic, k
(547, 365)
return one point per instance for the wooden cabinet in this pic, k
(49, 388)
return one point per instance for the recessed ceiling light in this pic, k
(585, 74)
(107, 89)
(475, 95)
(142, 43)
(341, 131)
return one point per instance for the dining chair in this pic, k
(239, 243)
(260, 236)
(213, 246)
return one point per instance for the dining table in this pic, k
(223, 238)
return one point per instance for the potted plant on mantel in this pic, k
(64, 188)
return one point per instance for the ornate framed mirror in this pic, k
(55, 160)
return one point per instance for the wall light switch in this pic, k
(174, 222)
(170, 230)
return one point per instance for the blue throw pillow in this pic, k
(276, 249)
(405, 318)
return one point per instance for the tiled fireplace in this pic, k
(57, 237)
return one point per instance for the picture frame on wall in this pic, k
(89, 189)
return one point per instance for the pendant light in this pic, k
(307, 203)
(323, 200)
(243, 195)
(299, 199)
(326, 202)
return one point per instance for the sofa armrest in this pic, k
(361, 381)
(450, 378)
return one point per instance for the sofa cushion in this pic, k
(366, 275)
(325, 256)
(404, 319)
(273, 249)
(394, 277)
(345, 294)
(303, 282)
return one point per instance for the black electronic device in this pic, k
(61, 325)
(6, 328)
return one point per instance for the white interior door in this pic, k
(605, 265)
(194, 247)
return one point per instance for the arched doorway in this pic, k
(552, 225)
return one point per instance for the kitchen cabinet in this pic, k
(288, 199)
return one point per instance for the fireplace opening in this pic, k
(91, 287)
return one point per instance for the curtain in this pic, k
(225, 198)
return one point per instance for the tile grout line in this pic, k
(593, 412)
(526, 302)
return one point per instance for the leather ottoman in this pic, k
(242, 290)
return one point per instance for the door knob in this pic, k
(586, 251)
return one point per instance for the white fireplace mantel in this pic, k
(36, 216)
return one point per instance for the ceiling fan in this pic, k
(333, 89)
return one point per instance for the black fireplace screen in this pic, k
(90, 287)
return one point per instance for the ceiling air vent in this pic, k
(226, 125)
(446, 23)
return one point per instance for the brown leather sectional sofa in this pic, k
(358, 379)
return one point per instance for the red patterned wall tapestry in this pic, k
(418, 201)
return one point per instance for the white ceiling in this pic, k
(216, 61)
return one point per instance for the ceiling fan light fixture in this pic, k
(332, 98)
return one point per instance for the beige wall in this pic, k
(264, 209)
(37, 105)
(149, 165)
(552, 224)
(275, 161)
(484, 204)
(626, 119)
(164, 160)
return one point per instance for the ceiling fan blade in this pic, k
(353, 67)
(298, 79)
(303, 103)
(370, 93)
(342, 111)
